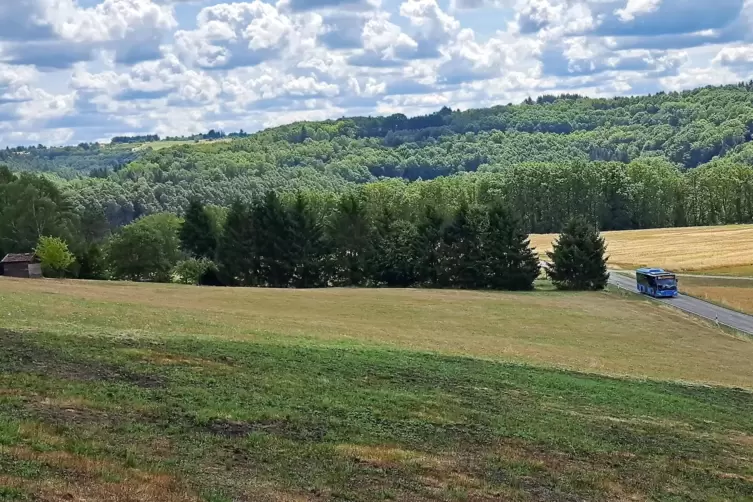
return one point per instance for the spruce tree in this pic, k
(427, 248)
(462, 259)
(308, 246)
(510, 262)
(197, 235)
(91, 263)
(392, 261)
(274, 236)
(349, 236)
(236, 253)
(578, 260)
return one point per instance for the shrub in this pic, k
(194, 271)
(54, 255)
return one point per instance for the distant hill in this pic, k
(571, 144)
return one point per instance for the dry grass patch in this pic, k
(677, 249)
(87, 479)
(743, 271)
(593, 332)
(389, 457)
(736, 294)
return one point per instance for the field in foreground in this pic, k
(724, 250)
(148, 392)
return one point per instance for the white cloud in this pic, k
(635, 8)
(110, 20)
(426, 15)
(73, 70)
(57, 33)
(245, 34)
(731, 56)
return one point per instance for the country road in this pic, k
(736, 320)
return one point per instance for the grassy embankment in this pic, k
(155, 392)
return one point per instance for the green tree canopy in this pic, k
(197, 234)
(308, 245)
(510, 262)
(146, 250)
(578, 259)
(54, 254)
(32, 207)
(236, 253)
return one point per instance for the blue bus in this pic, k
(656, 282)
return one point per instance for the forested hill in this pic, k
(661, 160)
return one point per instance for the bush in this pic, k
(196, 271)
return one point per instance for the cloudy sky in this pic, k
(84, 70)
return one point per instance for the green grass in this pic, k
(142, 393)
(232, 419)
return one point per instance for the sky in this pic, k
(87, 70)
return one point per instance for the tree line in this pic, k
(301, 240)
(288, 243)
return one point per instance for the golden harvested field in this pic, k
(736, 294)
(724, 250)
(605, 333)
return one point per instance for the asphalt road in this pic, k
(736, 320)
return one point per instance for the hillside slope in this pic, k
(553, 157)
(142, 392)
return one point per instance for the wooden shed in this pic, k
(21, 265)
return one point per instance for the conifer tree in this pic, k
(578, 260)
(197, 235)
(91, 263)
(274, 236)
(393, 262)
(236, 253)
(510, 262)
(349, 235)
(427, 248)
(462, 260)
(308, 246)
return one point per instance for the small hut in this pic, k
(26, 266)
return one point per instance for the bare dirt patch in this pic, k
(22, 355)
(69, 412)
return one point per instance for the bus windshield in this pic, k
(666, 283)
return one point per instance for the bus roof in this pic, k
(652, 271)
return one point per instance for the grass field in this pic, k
(733, 293)
(128, 392)
(725, 250)
(159, 145)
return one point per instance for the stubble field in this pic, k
(723, 250)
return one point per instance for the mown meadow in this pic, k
(123, 391)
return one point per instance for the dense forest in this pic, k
(669, 159)
(301, 241)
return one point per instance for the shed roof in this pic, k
(20, 258)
